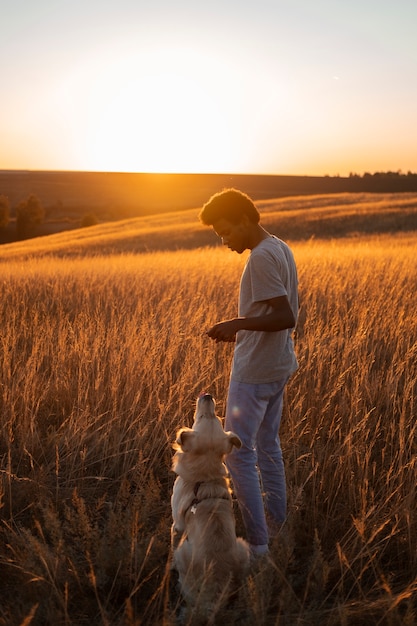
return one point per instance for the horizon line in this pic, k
(398, 172)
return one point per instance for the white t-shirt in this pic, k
(264, 357)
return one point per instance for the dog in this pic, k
(210, 560)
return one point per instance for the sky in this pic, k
(302, 87)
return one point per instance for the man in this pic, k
(263, 361)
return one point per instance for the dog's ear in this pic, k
(234, 440)
(184, 439)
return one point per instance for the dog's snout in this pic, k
(205, 407)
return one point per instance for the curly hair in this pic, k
(231, 205)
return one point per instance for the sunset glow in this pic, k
(255, 88)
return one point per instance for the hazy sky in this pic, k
(251, 86)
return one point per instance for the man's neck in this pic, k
(257, 235)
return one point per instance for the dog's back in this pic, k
(211, 560)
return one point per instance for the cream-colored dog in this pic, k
(211, 561)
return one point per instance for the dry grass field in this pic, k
(102, 356)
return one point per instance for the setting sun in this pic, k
(173, 111)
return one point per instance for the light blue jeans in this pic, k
(257, 471)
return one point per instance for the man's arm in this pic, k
(280, 318)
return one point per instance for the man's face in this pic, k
(234, 236)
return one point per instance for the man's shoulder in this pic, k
(271, 246)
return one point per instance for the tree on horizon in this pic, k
(29, 214)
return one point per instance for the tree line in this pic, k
(383, 182)
(30, 214)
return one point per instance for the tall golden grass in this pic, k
(102, 358)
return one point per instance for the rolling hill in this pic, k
(292, 218)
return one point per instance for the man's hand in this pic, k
(224, 331)
(280, 317)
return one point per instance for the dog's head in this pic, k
(207, 434)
